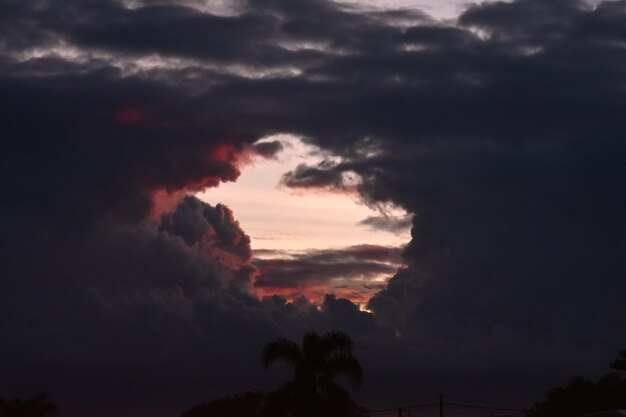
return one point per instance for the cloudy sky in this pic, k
(186, 180)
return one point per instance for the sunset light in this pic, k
(415, 207)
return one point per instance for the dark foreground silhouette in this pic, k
(316, 363)
(311, 392)
(582, 396)
(32, 407)
(250, 404)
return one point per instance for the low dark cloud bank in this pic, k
(503, 133)
(353, 272)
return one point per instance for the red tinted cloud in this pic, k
(353, 273)
(130, 116)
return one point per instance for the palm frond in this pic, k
(311, 338)
(311, 344)
(348, 365)
(337, 341)
(281, 349)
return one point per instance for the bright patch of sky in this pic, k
(439, 9)
(276, 217)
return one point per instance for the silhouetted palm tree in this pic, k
(313, 390)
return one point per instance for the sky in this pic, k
(185, 181)
(287, 223)
(281, 218)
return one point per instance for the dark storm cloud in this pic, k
(389, 223)
(267, 149)
(355, 267)
(138, 309)
(502, 133)
(503, 136)
(363, 252)
(324, 175)
(195, 221)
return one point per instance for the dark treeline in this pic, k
(582, 396)
(38, 406)
(311, 392)
(250, 404)
(319, 359)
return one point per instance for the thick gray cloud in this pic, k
(161, 309)
(326, 175)
(390, 223)
(352, 272)
(501, 133)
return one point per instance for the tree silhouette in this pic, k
(619, 364)
(249, 404)
(32, 407)
(582, 396)
(317, 363)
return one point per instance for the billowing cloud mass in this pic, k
(500, 132)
